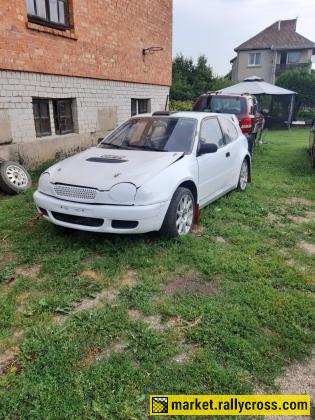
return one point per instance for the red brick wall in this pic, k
(105, 43)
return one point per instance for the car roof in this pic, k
(182, 114)
(237, 95)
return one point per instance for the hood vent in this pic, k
(107, 159)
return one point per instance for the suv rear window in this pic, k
(221, 104)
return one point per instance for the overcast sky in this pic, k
(216, 27)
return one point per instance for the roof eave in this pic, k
(293, 48)
(251, 49)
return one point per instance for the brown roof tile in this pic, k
(279, 35)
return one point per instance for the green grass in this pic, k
(260, 319)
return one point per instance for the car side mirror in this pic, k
(100, 140)
(206, 148)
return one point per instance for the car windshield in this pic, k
(154, 133)
(221, 104)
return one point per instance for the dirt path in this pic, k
(297, 379)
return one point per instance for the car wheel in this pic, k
(179, 218)
(251, 143)
(243, 179)
(14, 178)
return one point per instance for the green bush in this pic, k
(306, 114)
(181, 105)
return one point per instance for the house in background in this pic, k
(70, 71)
(274, 50)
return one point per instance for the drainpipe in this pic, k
(274, 65)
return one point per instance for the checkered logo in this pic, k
(160, 405)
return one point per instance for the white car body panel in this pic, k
(136, 185)
(133, 166)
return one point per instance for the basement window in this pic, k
(41, 117)
(53, 13)
(54, 116)
(63, 116)
(140, 106)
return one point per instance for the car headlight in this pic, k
(123, 193)
(43, 183)
(145, 195)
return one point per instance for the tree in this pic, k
(191, 80)
(202, 76)
(221, 82)
(302, 82)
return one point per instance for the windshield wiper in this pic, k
(112, 146)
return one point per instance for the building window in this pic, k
(293, 57)
(52, 13)
(254, 59)
(41, 117)
(140, 106)
(63, 116)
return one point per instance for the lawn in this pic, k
(91, 324)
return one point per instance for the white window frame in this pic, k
(255, 63)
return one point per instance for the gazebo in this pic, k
(278, 101)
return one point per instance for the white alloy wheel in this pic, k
(184, 214)
(14, 178)
(179, 218)
(243, 179)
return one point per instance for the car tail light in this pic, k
(246, 125)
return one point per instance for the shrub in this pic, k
(181, 105)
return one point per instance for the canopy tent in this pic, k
(281, 100)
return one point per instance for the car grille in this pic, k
(75, 192)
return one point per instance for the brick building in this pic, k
(71, 70)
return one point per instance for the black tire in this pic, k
(241, 185)
(251, 139)
(14, 178)
(169, 228)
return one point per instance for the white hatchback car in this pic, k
(153, 173)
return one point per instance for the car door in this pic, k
(213, 167)
(232, 148)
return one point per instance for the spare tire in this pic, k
(14, 178)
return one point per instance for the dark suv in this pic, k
(245, 107)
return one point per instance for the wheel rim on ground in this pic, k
(184, 214)
(244, 176)
(16, 176)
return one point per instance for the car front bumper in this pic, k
(102, 217)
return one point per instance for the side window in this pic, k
(211, 132)
(229, 130)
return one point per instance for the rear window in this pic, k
(221, 104)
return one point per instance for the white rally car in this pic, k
(153, 173)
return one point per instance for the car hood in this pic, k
(102, 168)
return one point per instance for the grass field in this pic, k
(91, 324)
